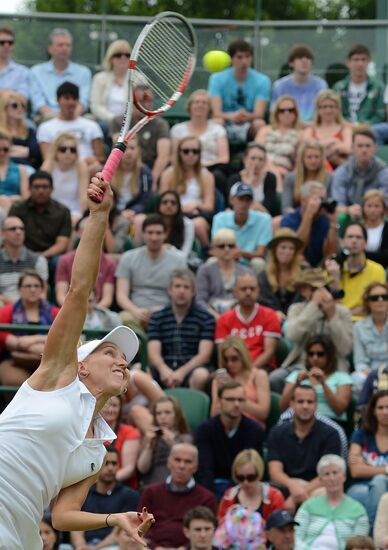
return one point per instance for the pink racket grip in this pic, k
(111, 165)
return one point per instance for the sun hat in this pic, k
(123, 337)
(285, 234)
(314, 277)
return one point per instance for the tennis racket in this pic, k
(162, 60)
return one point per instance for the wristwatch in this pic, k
(335, 226)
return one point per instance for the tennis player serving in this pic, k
(51, 434)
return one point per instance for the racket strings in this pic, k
(166, 58)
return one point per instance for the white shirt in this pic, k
(43, 448)
(327, 540)
(208, 139)
(356, 94)
(374, 238)
(66, 189)
(84, 129)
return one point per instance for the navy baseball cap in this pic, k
(241, 189)
(280, 518)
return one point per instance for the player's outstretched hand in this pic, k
(135, 524)
(100, 196)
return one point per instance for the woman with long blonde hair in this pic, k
(13, 177)
(194, 184)
(330, 128)
(25, 149)
(236, 364)
(70, 174)
(373, 211)
(277, 281)
(310, 166)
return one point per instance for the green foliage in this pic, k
(218, 9)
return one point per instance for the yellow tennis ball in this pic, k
(216, 60)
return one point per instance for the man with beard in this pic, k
(294, 448)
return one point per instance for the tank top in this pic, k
(11, 184)
(43, 448)
(281, 147)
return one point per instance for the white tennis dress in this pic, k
(42, 450)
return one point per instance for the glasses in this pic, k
(169, 201)
(64, 149)
(233, 399)
(14, 228)
(31, 286)
(248, 477)
(225, 245)
(240, 99)
(186, 151)
(17, 105)
(4, 149)
(121, 54)
(378, 298)
(316, 353)
(4, 42)
(287, 110)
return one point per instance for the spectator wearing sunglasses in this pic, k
(301, 84)
(370, 335)
(25, 148)
(333, 387)
(109, 92)
(13, 76)
(13, 177)
(240, 94)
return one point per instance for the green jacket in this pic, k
(349, 519)
(372, 108)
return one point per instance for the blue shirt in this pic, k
(370, 451)
(237, 95)
(370, 347)
(256, 231)
(318, 234)
(180, 341)
(45, 80)
(304, 94)
(15, 77)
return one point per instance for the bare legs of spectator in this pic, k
(11, 375)
(199, 379)
(201, 227)
(380, 531)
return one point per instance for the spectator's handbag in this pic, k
(241, 529)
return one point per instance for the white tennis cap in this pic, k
(123, 337)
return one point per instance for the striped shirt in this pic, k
(10, 269)
(180, 341)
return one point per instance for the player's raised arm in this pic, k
(59, 363)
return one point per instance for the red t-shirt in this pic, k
(262, 322)
(106, 273)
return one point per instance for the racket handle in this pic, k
(113, 162)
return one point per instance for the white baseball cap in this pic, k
(123, 337)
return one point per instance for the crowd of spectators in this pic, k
(248, 247)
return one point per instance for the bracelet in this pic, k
(106, 520)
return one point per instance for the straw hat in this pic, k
(314, 277)
(285, 234)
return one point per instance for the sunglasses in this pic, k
(169, 201)
(121, 54)
(225, 245)
(248, 477)
(188, 150)
(316, 353)
(240, 97)
(63, 149)
(4, 42)
(378, 298)
(14, 228)
(4, 149)
(287, 110)
(17, 105)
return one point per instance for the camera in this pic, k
(329, 204)
(341, 257)
(159, 431)
(337, 293)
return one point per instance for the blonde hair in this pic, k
(118, 178)
(115, 47)
(273, 268)
(58, 141)
(374, 194)
(6, 97)
(239, 345)
(222, 235)
(274, 117)
(248, 456)
(327, 95)
(4, 134)
(194, 95)
(179, 180)
(300, 171)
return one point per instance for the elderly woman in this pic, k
(328, 521)
(109, 92)
(216, 280)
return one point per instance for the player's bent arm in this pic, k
(59, 363)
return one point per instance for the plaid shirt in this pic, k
(372, 108)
